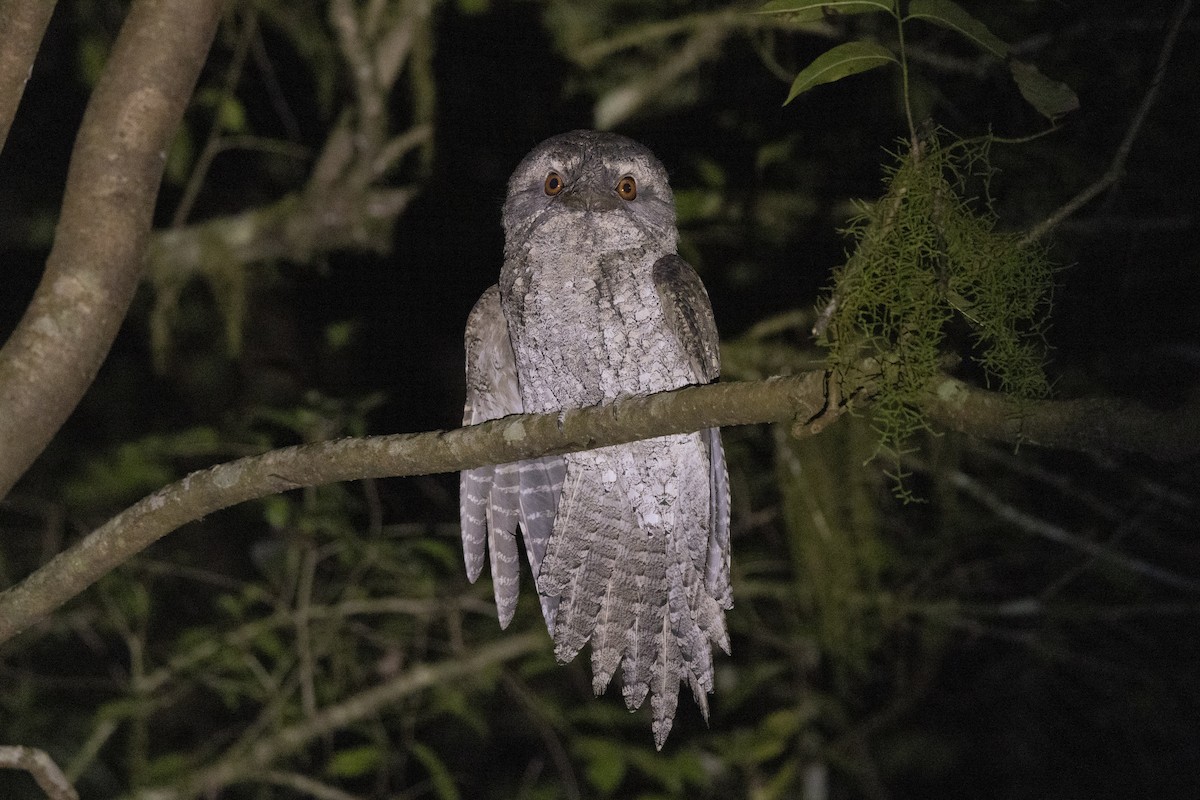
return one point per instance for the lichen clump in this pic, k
(930, 275)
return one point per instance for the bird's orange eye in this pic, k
(554, 184)
(627, 188)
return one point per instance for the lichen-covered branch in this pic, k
(1087, 424)
(1104, 425)
(94, 265)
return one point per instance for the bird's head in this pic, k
(599, 177)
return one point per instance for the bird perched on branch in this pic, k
(629, 544)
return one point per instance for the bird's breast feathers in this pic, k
(586, 330)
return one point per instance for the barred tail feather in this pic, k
(646, 651)
(638, 649)
(541, 481)
(475, 488)
(503, 513)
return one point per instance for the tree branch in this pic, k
(1086, 424)
(94, 265)
(1054, 533)
(510, 439)
(24, 23)
(348, 201)
(1093, 424)
(293, 228)
(1116, 170)
(49, 777)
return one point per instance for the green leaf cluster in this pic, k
(1051, 98)
(134, 469)
(928, 262)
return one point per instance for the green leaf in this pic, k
(672, 773)
(167, 768)
(180, 156)
(439, 775)
(1051, 98)
(816, 10)
(277, 510)
(232, 115)
(130, 599)
(605, 764)
(93, 55)
(340, 335)
(228, 109)
(354, 762)
(846, 59)
(950, 15)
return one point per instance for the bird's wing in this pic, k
(493, 499)
(689, 316)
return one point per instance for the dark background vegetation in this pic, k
(941, 648)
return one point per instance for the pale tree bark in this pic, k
(23, 23)
(96, 261)
(49, 778)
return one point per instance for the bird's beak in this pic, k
(589, 198)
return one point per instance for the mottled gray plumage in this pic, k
(629, 545)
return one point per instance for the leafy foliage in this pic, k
(1051, 99)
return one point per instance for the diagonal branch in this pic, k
(1116, 170)
(94, 265)
(50, 779)
(24, 23)
(1054, 533)
(1090, 424)
(510, 439)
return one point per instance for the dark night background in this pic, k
(934, 685)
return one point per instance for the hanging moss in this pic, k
(928, 260)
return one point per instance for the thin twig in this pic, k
(305, 785)
(291, 739)
(211, 142)
(274, 89)
(183, 662)
(85, 755)
(307, 660)
(1116, 170)
(1054, 533)
(549, 736)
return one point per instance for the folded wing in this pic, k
(494, 500)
